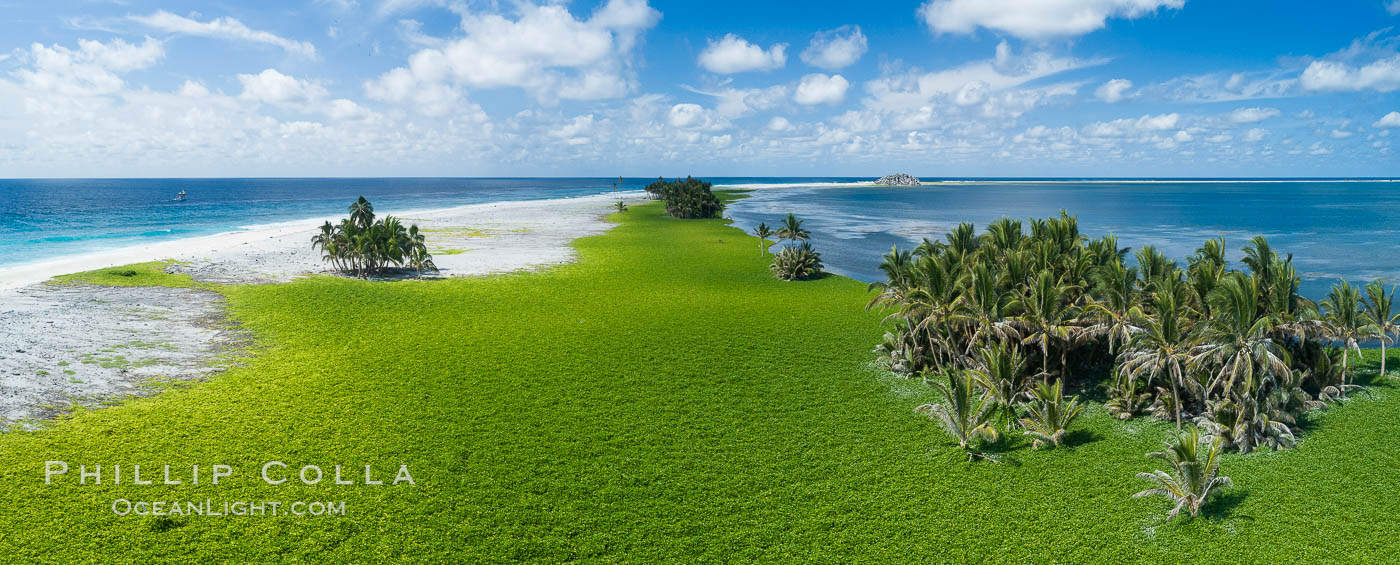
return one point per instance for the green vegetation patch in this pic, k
(664, 399)
(139, 274)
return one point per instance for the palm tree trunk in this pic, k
(1045, 360)
(1345, 352)
(1176, 399)
(1383, 355)
(1064, 363)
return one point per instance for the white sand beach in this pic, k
(475, 239)
(68, 345)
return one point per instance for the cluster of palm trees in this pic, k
(795, 261)
(362, 246)
(1237, 352)
(689, 198)
(989, 392)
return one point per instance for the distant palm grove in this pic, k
(1238, 353)
(690, 198)
(362, 246)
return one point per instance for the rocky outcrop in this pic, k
(899, 179)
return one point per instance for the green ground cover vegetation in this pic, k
(664, 398)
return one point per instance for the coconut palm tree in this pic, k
(998, 368)
(1048, 318)
(965, 414)
(792, 230)
(1236, 344)
(763, 232)
(1345, 322)
(1115, 307)
(362, 213)
(1048, 415)
(1380, 322)
(984, 304)
(1162, 350)
(1195, 468)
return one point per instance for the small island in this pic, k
(898, 179)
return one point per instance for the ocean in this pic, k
(1335, 229)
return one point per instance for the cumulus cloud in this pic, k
(1382, 75)
(779, 123)
(1252, 115)
(91, 69)
(1114, 90)
(222, 28)
(1158, 122)
(733, 54)
(686, 115)
(1255, 134)
(274, 87)
(835, 49)
(1034, 19)
(817, 88)
(546, 51)
(1391, 120)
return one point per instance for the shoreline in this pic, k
(283, 238)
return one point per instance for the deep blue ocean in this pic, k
(1334, 229)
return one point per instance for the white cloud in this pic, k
(1114, 90)
(686, 115)
(1158, 122)
(817, 88)
(1340, 134)
(1034, 19)
(1006, 70)
(732, 54)
(1391, 120)
(835, 49)
(1255, 134)
(1221, 87)
(223, 28)
(193, 89)
(1252, 115)
(1393, 7)
(276, 88)
(546, 51)
(576, 130)
(1382, 75)
(342, 109)
(740, 102)
(779, 123)
(92, 69)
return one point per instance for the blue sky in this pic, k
(719, 88)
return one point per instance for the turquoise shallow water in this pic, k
(47, 218)
(1335, 229)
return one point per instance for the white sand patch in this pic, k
(66, 345)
